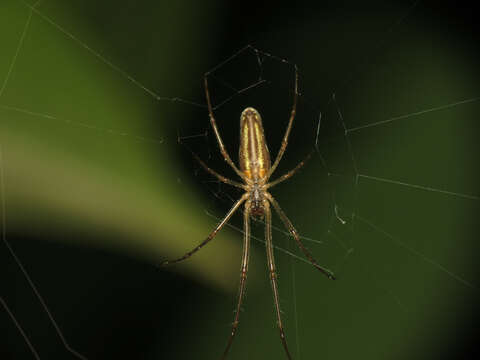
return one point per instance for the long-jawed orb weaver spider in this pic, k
(255, 170)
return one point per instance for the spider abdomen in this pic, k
(253, 154)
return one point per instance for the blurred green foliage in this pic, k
(91, 158)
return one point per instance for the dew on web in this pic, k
(97, 156)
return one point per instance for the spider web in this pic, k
(94, 157)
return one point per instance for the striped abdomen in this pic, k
(254, 155)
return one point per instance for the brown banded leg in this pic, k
(283, 147)
(223, 150)
(288, 224)
(211, 171)
(211, 235)
(217, 175)
(243, 274)
(290, 173)
(273, 273)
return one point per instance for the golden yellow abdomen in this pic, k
(253, 154)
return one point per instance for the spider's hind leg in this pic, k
(273, 274)
(243, 274)
(288, 224)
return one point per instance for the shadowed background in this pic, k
(98, 190)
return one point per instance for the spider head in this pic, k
(251, 112)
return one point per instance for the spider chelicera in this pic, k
(255, 171)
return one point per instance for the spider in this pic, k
(255, 171)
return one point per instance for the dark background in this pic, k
(381, 59)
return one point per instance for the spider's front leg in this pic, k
(213, 122)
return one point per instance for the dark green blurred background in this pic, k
(98, 190)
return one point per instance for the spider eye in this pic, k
(250, 111)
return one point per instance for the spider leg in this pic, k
(243, 274)
(283, 147)
(291, 172)
(273, 273)
(217, 175)
(211, 171)
(223, 150)
(220, 225)
(288, 224)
